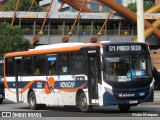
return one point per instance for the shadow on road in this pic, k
(109, 109)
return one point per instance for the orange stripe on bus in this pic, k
(24, 89)
(36, 52)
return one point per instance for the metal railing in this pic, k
(80, 32)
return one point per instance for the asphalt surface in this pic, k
(21, 110)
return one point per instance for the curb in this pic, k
(157, 103)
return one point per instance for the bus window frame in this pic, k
(32, 74)
(45, 64)
(57, 63)
(68, 64)
(6, 65)
(82, 71)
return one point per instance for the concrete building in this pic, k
(66, 8)
(59, 24)
(157, 1)
(55, 5)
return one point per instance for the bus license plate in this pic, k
(133, 102)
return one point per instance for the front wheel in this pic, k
(84, 107)
(124, 108)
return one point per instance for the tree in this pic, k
(147, 4)
(23, 6)
(12, 39)
(132, 7)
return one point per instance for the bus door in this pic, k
(93, 78)
(18, 77)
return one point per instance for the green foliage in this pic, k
(102, 11)
(23, 6)
(147, 4)
(132, 7)
(105, 11)
(12, 39)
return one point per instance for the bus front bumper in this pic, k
(109, 99)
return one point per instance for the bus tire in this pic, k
(1, 100)
(32, 101)
(84, 107)
(124, 108)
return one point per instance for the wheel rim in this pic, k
(83, 102)
(32, 101)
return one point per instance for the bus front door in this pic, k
(18, 76)
(93, 79)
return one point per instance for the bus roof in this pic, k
(61, 47)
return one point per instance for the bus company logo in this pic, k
(125, 95)
(49, 86)
(128, 95)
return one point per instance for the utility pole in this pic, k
(140, 21)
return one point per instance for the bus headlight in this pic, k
(108, 90)
(152, 84)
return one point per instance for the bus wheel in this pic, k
(32, 101)
(83, 103)
(1, 100)
(124, 108)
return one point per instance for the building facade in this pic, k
(95, 8)
(157, 1)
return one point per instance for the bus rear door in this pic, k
(18, 77)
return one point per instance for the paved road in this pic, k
(59, 113)
(157, 96)
(73, 112)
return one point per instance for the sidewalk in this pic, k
(156, 99)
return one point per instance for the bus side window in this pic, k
(10, 67)
(52, 65)
(28, 65)
(39, 64)
(77, 63)
(64, 63)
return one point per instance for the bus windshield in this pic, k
(121, 67)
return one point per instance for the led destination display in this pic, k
(124, 48)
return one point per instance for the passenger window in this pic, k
(64, 63)
(77, 63)
(28, 65)
(10, 67)
(39, 65)
(52, 64)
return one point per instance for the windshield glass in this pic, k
(123, 68)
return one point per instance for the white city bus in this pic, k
(79, 74)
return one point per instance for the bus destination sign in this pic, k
(123, 48)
